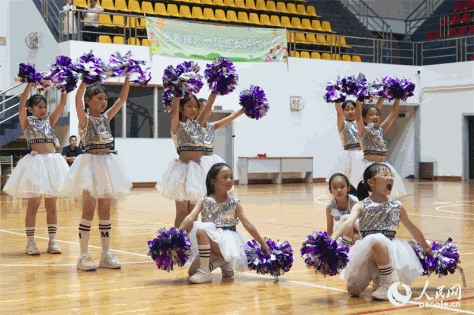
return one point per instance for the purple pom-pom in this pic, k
(62, 75)
(254, 102)
(395, 88)
(168, 100)
(276, 262)
(335, 93)
(321, 252)
(27, 74)
(221, 76)
(422, 257)
(124, 65)
(350, 85)
(183, 80)
(171, 247)
(92, 68)
(45, 84)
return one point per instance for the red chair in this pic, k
(452, 32)
(455, 20)
(462, 31)
(430, 35)
(469, 5)
(466, 18)
(438, 35)
(471, 30)
(459, 6)
(444, 21)
(472, 57)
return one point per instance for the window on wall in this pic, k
(164, 119)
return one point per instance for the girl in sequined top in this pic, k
(97, 175)
(42, 171)
(216, 239)
(379, 256)
(351, 151)
(184, 179)
(338, 210)
(373, 142)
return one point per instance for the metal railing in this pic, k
(422, 12)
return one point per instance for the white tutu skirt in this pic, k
(102, 175)
(346, 160)
(358, 175)
(214, 159)
(359, 270)
(37, 175)
(338, 223)
(231, 244)
(185, 181)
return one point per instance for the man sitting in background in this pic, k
(71, 151)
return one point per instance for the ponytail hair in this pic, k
(212, 174)
(34, 100)
(91, 91)
(363, 188)
(351, 189)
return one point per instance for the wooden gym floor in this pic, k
(50, 284)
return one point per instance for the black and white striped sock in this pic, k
(52, 229)
(385, 273)
(84, 234)
(105, 228)
(30, 233)
(347, 241)
(204, 256)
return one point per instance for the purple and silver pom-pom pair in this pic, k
(170, 248)
(395, 88)
(276, 262)
(92, 68)
(321, 252)
(221, 76)
(335, 93)
(136, 70)
(62, 75)
(27, 74)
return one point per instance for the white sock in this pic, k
(52, 228)
(84, 234)
(347, 241)
(385, 273)
(30, 234)
(105, 229)
(204, 255)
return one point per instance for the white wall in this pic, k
(4, 50)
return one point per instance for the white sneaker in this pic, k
(109, 261)
(376, 281)
(194, 266)
(201, 276)
(85, 262)
(227, 271)
(31, 248)
(381, 292)
(53, 247)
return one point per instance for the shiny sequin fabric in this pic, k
(221, 214)
(209, 135)
(349, 135)
(97, 134)
(374, 141)
(190, 137)
(380, 217)
(38, 130)
(336, 212)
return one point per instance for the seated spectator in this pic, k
(71, 151)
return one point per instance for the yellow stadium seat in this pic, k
(184, 11)
(300, 38)
(105, 39)
(316, 26)
(142, 23)
(134, 41)
(220, 15)
(310, 10)
(147, 8)
(271, 6)
(231, 16)
(173, 10)
(265, 20)
(261, 5)
(145, 42)
(195, 1)
(218, 2)
(306, 24)
(243, 18)
(197, 13)
(134, 6)
(229, 3)
(343, 43)
(131, 22)
(239, 4)
(295, 22)
(356, 59)
(250, 4)
(121, 5)
(336, 57)
(321, 40)
(290, 36)
(160, 9)
(290, 8)
(80, 3)
(208, 14)
(118, 20)
(326, 56)
(253, 18)
(119, 40)
(311, 38)
(206, 1)
(300, 9)
(108, 5)
(281, 7)
(285, 21)
(295, 54)
(315, 55)
(327, 27)
(305, 54)
(105, 20)
(184, 0)
(275, 21)
(346, 58)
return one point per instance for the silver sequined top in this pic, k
(349, 135)
(380, 217)
(374, 141)
(38, 130)
(221, 214)
(336, 212)
(209, 135)
(190, 137)
(97, 133)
